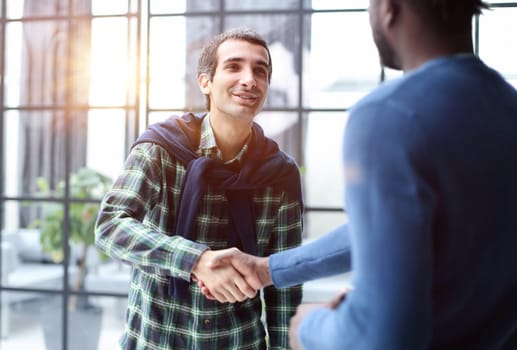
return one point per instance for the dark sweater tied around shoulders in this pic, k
(265, 165)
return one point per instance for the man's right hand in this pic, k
(255, 270)
(222, 282)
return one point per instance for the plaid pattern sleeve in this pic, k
(281, 303)
(125, 227)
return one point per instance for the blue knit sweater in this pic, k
(431, 190)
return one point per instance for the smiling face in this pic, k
(240, 83)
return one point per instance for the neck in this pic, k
(418, 43)
(432, 50)
(230, 136)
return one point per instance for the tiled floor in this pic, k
(26, 330)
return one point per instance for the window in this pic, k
(82, 79)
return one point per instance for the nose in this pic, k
(248, 78)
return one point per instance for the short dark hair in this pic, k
(208, 59)
(448, 16)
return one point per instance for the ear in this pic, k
(204, 83)
(390, 12)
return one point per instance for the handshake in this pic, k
(230, 275)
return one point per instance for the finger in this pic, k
(220, 296)
(236, 293)
(227, 290)
(253, 281)
(232, 295)
(204, 289)
(245, 288)
(207, 294)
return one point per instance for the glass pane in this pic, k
(106, 127)
(34, 321)
(87, 261)
(38, 62)
(156, 117)
(22, 325)
(13, 59)
(167, 62)
(30, 258)
(111, 326)
(36, 147)
(79, 62)
(323, 160)
(12, 149)
(390, 74)
(323, 290)
(235, 5)
(497, 44)
(337, 76)
(109, 277)
(108, 7)
(173, 61)
(36, 8)
(319, 223)
(135, 72)
(181, 6)
(84, 323)
(282, 34)
(335, 4)
(110, 65)
(83, 7)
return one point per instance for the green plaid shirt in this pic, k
(132, 226)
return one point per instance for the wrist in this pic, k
(200, 263)
(263, 270)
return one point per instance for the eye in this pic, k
(232, 66)
(261, 71)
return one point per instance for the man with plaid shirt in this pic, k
(193, 186)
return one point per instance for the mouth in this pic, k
(246, 97)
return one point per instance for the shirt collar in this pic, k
(208, 146)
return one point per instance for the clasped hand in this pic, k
(230, 275)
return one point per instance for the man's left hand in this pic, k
(296, 320)
(303, 310)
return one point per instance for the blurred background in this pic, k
(81, 79)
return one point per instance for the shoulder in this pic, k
(152, 153)
(382, 110)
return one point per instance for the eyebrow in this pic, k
(239, 59)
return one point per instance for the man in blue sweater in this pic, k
(431, 185)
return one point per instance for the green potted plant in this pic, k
(84, 317)
(86, 183)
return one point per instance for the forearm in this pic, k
(326, 256)
(130, 241)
